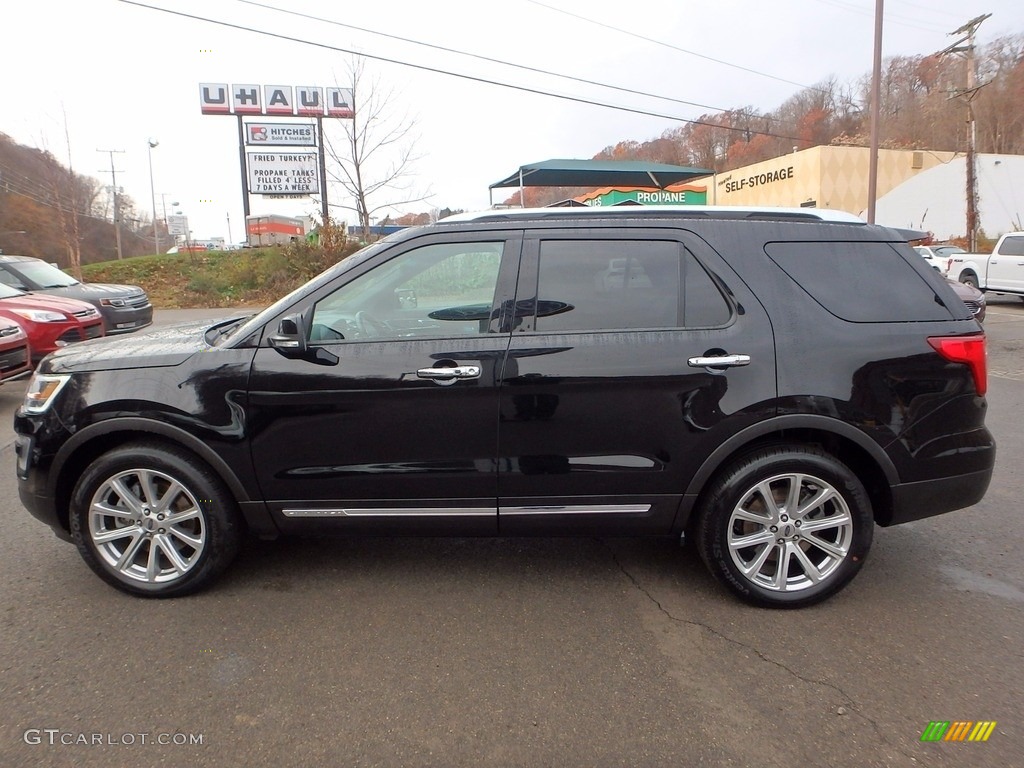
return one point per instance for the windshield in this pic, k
(6, 292)
(946, 250)
(244, 329)
(39, 274)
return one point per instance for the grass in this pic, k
(249, 277)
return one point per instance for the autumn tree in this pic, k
(374, 157)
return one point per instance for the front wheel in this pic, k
(785, 527)
(153, 520)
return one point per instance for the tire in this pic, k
(969, 278)
(153, 520)
(818, 564)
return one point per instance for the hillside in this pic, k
(250, 277)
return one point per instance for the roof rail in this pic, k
(663, 211)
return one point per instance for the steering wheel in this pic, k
(370, 326)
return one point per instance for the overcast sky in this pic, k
(123, 74)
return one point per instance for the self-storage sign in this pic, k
(283, 173)
(280, 134)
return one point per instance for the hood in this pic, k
(160, 348)
(93, 292)
(45, 302)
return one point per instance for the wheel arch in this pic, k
(865, 458)
(92, 441)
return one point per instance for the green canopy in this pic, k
(599, 173)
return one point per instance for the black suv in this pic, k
(768, 384)
(124, 308)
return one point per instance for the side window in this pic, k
(593, 285)
(438, 290)
(859, 282)
(12, 280)
(1012, 246)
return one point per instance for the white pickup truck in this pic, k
(1001, 271)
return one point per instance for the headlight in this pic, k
(12, 333)
(42, 391)
(41, 315)
(112, 302)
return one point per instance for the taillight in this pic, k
(969, 350)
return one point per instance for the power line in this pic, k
(474, 78)
(677, 48)
(480, 57)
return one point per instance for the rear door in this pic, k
(634, 356)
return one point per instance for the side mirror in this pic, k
(290, 339)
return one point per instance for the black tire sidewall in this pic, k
(220, 517)
(737, 480)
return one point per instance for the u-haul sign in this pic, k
(283, 100)
(280, 134)
(283, 173)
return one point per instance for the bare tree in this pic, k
(373, 161)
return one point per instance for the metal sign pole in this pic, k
(241, 165)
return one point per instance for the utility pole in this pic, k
(968, 31)
(117, 200)
(876, 111)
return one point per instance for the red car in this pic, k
(49, 321)
(14, 351)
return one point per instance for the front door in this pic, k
(392, 426)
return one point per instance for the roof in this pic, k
(599, 173)
(663, 211)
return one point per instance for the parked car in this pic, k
(971, 297)
(125, 308)
(732, 376)
(939, 255)
(1001, 271)
(15, 359)
(50, 321)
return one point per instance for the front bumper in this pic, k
(32, 487)
(126, 319)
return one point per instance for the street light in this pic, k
(153, 143)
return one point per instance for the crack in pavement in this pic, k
(854, 707)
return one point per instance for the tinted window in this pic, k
(437, 290)
(589, 285)
(1012, 246)
(859, 282)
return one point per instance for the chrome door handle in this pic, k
(449, 375)
(721, 361)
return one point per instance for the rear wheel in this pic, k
(969, 278)
(787, 526)
(153, 520)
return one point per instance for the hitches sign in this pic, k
(280, 134)
(304, 101)
(283, 173)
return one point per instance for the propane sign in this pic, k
(280, 134)
(283, 173)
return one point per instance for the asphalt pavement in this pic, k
(538, 652)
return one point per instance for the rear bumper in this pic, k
(914, 501)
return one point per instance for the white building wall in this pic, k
(936, 199)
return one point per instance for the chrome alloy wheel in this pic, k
(147, 526)
(790, 532)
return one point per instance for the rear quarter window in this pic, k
(859, 282)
